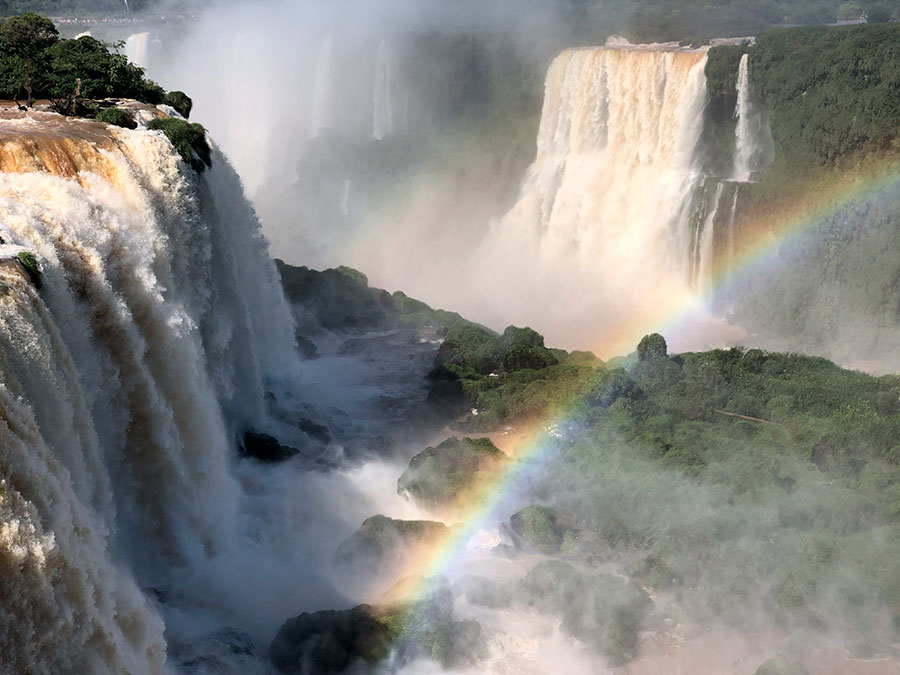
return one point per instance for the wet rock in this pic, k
(359, 638)
(451, 474)
(536, 528)
(381, 542)
(781, 665)
(330, 641)
(306, 347)
(265, 448)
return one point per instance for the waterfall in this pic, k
(705, 243)
(382, 100)
(136, 48)
(602, 220)
(753, 146)
(123, 383)
(345, 196)
(321, 103)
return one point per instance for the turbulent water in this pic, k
(123, 384)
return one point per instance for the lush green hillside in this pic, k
(832, 96)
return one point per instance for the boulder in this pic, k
(382, 542)
(536, 528)
(451, 474)
(333, 641)
(265, 448)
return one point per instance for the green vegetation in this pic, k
(180, 101)
(537, 528)
(831, 98)
(452, 473)
(831, 92)
(32, 267)
(36, 63)
(699, 20)
(188, 139)
(747, 483)
(117, 117)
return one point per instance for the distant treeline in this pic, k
(698, 20)
(70, 7)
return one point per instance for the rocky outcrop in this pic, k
(383, 542)
(359, 638)
(536, 528)
(451, 474)
(265, 448)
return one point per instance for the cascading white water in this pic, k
(136, 48)
(753, 145)
(383, 100)
(705, 242)
(600, 229)
(122, 383)
(321, 102)
(743, 152)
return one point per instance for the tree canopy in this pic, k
(36, 63)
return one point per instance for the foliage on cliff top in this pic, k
(188, 138)
(832, 92)
(36, 63)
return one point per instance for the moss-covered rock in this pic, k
(359, 638)
(331, 641)
(180, 101)
(536, 528)
(32, 267)
(382, 542)
(451, 474)
(188, 139)
(117, 117)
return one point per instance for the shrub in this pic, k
(180, 101)
(117, 117)
(32, 267)
(188, 139)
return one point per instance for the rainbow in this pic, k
(532, 447)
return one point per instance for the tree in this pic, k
(24, 60)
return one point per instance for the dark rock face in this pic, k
(336, 299)
(265, 448)
(535, 528)
(306, 347)
(330, 641)
(444, 476)
(382, 541)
